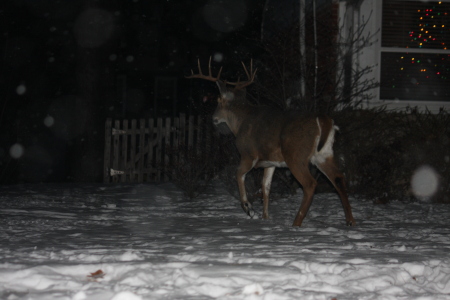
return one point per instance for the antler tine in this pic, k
(239, 84)
(218, 75)
(199, 68)
(209, 67)
(245, 68)
(203, 76)
(251, 67)
(250, 75)
(251, 70)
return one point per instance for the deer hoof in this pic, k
(247, 207)
(351, 223)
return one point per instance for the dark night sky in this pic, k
(67, 65)
(42, 40)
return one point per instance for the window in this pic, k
(415, 55)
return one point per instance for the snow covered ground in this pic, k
(149, 242)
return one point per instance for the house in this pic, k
(405, 44)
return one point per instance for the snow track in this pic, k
(152, 243)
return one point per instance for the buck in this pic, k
(269, 138)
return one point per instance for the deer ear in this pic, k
(240, 93)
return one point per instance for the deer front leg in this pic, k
(267, 181)
(242, 170)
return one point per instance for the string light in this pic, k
(434, 16)
(430, 32)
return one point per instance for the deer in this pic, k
(271, 138)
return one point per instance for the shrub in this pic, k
(192, 168)
(381, 150)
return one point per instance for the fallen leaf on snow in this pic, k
(96, 275)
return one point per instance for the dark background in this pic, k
(67, 65)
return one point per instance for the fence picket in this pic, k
(106, 164)
(176, 131)
(141, 151)
(176, 141)
(199, 130)
(182, 129)
(116, 139)
(150, 162)
(133, 149)
(124, 166)
(167, 149)
(159, 149)
(191, 131)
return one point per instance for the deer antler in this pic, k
(239, 84)
(250, 76)
(200, 74)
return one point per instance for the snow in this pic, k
(147, 241)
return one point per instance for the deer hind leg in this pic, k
(329, 168)
(244, 167)
(266, 183)
(302, 174)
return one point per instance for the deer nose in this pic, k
(216, 121)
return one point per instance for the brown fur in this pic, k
(268, 138)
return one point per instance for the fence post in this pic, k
(107, 154)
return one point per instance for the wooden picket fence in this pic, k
(140, 150)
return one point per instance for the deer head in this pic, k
(229, 96)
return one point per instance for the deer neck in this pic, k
(237, 115)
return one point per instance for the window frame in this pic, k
(376, 9)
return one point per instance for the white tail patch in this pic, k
(319, 157)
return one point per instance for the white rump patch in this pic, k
(319, 157)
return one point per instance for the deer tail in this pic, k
(325, 140)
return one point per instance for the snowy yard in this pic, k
(149, 242)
